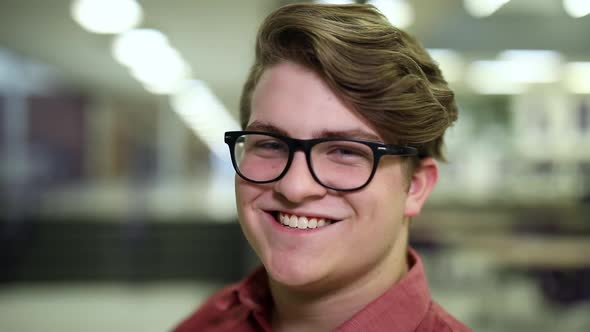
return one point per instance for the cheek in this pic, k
(390, 179)
(385, 196)
(247, 196)
(239, 194)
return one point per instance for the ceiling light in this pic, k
(493, 77)
(151, 59)
(533, 66)
(106, 16)
(514, 70)
(166, 68)
(400, 13)
(576, 8)
(204, 113)
(577, 77)
(483, 8)
(162, 87)
(449, 61)
(132, 46)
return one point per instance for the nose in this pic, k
(298, 185)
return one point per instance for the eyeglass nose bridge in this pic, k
(299, 145)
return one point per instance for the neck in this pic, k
(326, 304)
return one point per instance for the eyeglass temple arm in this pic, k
(398, 150)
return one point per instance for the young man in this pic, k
(343, 115)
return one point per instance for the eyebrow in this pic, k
(353, 133)
(266, 127)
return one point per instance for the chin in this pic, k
(292, 273)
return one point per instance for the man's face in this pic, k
(367, 234)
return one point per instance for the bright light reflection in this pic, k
(449, 61)
(106, 16)
(399, 12)
(204, 113)
(576, 8)
(577, 77)
(483, 8)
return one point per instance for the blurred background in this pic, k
(116, 194)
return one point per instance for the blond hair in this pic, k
(381, 71)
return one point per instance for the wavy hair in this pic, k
(387, 77)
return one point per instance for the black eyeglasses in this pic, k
(336, 163)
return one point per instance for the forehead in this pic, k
(297, 100)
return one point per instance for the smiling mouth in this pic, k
(300, 222)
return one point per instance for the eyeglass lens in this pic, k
(338, 164)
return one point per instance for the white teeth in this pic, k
(284, 219)
(313, 223)
(294, 221)
(302, 223)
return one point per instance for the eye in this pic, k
(352, 154)
(270, 145)
(266, 147)
(345, 152)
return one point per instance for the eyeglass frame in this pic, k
(379, 150)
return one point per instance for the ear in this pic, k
(422, 183)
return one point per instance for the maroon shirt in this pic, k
(406, 306)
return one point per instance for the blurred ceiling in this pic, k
(216, 37)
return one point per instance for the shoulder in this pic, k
(437, 319)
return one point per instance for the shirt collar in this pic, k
(401, 308)
(252, 292)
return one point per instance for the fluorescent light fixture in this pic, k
(130, 47)
(400, 13)
(204, 113)
(483, 8)
(514, 70)
(166, 68)
(450, 62)
(335, 2)
(576, 8)
(162, 87)
(493, 77)
(577, 77)
(106, 16)
(151, 60)
(533, 66)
